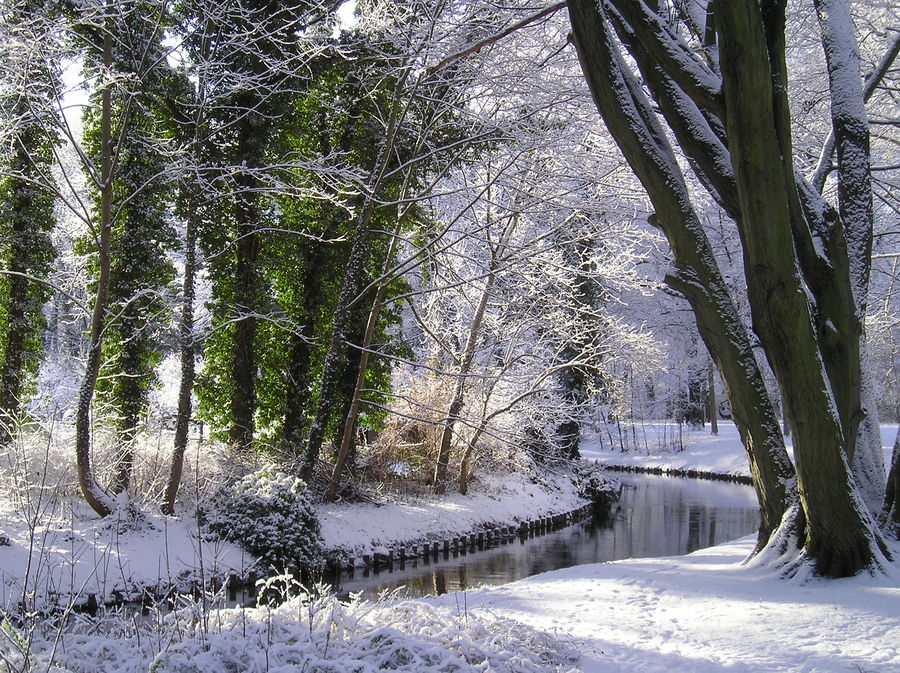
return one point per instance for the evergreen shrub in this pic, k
(270, 514)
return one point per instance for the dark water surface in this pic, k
(655, 516)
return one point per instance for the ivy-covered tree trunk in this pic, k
(26, 218)
(355, 280)
(318, 261)
(95, 495)
(246, 302)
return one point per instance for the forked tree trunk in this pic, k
(631, 121)
(349, 426)
(465, 363)
(840, 538)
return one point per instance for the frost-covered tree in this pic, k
(719, 88)
(253, 58)
(141, 233)
(26, 209)
(122, 158)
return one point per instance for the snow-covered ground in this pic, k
(60, 551)
(707, 613)
(702, 613)
(699, 450)
(355, 530)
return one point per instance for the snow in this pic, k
(707, 612)
(355, 531)
(703, 452)
(73, 556)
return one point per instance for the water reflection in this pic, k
(655, 516)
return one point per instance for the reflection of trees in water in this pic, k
(655, 516)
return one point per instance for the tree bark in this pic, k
(243, 360)
(840, 536)
(186, 387)
(713, 403)
(630, 120)
(97, 497)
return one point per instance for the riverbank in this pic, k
(659, 448)
(353, 532)
(55, 552)
(707, 613)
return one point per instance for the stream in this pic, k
(655, 516)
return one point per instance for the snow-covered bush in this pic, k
(270, 514)
(311, 632)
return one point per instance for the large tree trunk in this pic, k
(27, 219)
(15, 354)
(630, 120)
(840, 535)
(243, 360)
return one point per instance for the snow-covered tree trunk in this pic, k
(850, 131)
(457, 399)
(803, 259)
(630, 120)
(93, 492)
(841, 538)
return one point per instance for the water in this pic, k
(655, 516)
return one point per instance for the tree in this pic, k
(141, 233)
(26, 216)
(254, 57)
(121, 160)
(806, 262)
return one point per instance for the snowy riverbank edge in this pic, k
(710, 611)
(61, 553)
(354, 531)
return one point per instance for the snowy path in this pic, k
(706, 613)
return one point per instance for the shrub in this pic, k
(268, 513)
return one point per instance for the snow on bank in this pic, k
(664, 447)
(354, 529)
(59, 551)
(707, 613)
(67, 555)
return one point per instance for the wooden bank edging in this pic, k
(484, 536)
(680, 472)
